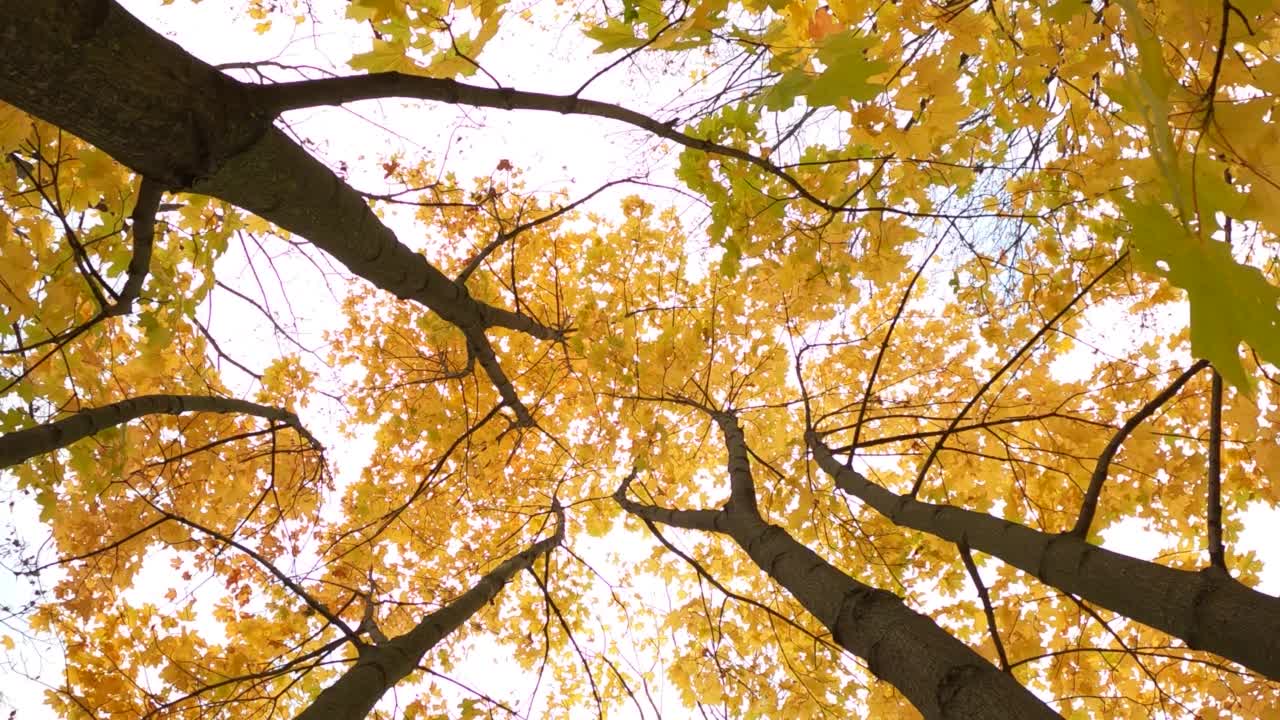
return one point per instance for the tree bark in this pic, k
(91, 68)
(941, 676)
(22, 445)
(1208, 610)
(379, 667)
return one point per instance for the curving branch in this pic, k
(143, 219)
(1207, 610)
(22, 445)
(1089, 506)
(276, 98)
(382, 665)
(705, 520)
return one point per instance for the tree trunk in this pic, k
(941, 676)
(1208, 610)
(91, 68)
(379, 667)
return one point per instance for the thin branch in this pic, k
(884, 345)
(285, 580)
(568, 632)
(990, 612)
(265, 313)
(1217, 555)
(218, 349)
(1089, 506)
(474, 263)
(933, 452)
(1211, 93)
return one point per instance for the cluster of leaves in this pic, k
(941, 254)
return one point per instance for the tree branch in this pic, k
(1217, 554)
(22, 445)
(179, 122)
(706, 520)
(1207, 610)
(143, 220)
(992, 627)
(275, 572)
(379, 667)
(279, 97)
(1089, 506)
(742, 488)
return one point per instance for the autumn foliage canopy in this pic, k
(921, 362)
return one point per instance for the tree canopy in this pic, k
(833, 404)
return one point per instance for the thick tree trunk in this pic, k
(91, 68)
(1208, 610)
(941, 676)
(379, 667)
(22, 445)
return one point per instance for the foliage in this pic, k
(918, 254)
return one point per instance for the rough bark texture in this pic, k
(379, 667)
(1208, 610)
(941, 676)
(22, 445)
(93, 69)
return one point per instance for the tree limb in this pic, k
(1217, 554)
(1207, 610)
(22, 445)
(1089, 506)
(379, 667)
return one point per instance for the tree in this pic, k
(938, 263)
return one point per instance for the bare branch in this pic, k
(990, 612)
(1217, 554)
(1089, 506)
(933, 452)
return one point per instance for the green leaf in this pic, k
(731, 261)
(630, 11)
(1230, 302)
(614, 35)
(783, 94)
(848, 68)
